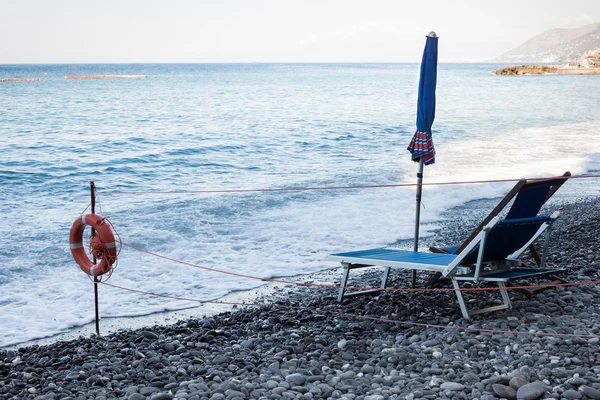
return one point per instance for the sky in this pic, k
(216, 31)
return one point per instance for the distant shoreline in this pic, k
(546, 70)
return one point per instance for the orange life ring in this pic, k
(102, 242)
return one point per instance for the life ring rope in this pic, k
(103, 246)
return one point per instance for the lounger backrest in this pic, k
(530, 197)
(507, 237)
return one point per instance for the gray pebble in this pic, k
(296, 379)
(148, 390)
(162, 396)
(517, 382)
(454, 386)
(149, 335)
(531, 391)
(577, 381)
(591, 392)
(504, 391)
(571, 394)
(220, 359)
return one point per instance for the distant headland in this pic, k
(556, 51)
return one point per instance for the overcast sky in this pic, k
(134, 31)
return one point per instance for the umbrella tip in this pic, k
(432, 34)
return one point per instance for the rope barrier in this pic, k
(360, 288)
(83, 212)
(394, 185)
(358, 316)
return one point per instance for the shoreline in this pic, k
(267, 292)
(546, 70)
(111, 325)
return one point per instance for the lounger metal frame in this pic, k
(446, 264)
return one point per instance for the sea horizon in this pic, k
(265, 62)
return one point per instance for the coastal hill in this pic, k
(555, 46)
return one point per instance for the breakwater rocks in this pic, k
(526, 70)
(543, 69)
(587, 64)
(305, 345)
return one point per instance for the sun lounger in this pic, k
(494, 249)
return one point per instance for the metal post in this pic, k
(93, 207)
(96, 304)
(413, 282)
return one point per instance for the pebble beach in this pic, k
(302, 344)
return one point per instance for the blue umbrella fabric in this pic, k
(421, 145)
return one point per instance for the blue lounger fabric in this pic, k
(400, 256)
(506, 237)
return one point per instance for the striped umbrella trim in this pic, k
(421, 146)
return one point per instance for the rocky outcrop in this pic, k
(588, 64)
(591, 59)
(527, 70)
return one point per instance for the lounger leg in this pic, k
(461, 300)
(504, 294)
(536, 255)
(433, 278)
(463, 306)
(545, 251)
(384, 278)
(344, 281)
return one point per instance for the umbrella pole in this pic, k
(413, 282)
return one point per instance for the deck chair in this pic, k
(529, 197)
(495, 249)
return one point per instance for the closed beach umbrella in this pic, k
(421, 145)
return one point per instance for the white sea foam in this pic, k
(286, 240)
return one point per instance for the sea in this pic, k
(178, 159)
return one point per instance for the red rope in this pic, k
(330, 286)
(88, 206)
(350, 315)
(338, 187)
